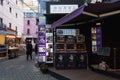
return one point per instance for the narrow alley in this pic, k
(21, 69)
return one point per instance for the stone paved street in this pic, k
(21, 69)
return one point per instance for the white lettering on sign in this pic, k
(62, 8)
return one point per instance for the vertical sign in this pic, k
(96, 37)
(41, 44)
(99, 37)
(49, 44)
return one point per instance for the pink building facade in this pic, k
(30, 29)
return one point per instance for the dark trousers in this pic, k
(29, 55)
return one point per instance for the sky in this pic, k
(35, 2)
(31, 5)
(29, 0)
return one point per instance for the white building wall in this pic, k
(11, 17)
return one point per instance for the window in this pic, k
(1, 20)
(37, 21)
(16, 2)
(1, 2)
(28, 31)
(30, 14)
(28, 22)
(10, 25)
(16, 28)
(10, 9)
(16, 15)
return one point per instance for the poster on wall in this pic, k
(60, 60)
(99, 37)
(81, 61)
(71, 61)
(49, 44)
(96, 37)
(41, 44)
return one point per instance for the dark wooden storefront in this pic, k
(108, 17)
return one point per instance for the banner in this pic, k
(41, 44)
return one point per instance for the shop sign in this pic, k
(67, 32)
(63, 8)
(42, 20)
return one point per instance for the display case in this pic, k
(60, 39)
(13, 52)
(81, 38)
(60, 46)
(69, 46)
(80, 46)
(70, 39)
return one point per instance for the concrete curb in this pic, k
(58, 76)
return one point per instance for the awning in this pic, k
(68, 17)
(11, 33)
(102, 9)
(89, 13)
(7, 32)
(3, 32)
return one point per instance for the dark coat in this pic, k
(29, 48)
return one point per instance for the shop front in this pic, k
(96, 24)
(3, 48)
(69, 43)
(11, 43)
(8, 47)
(70, 49)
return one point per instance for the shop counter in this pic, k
(13, 52)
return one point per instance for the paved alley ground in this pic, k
(21, 69)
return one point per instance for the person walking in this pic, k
(29, 50)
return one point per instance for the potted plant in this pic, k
(44, 67)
